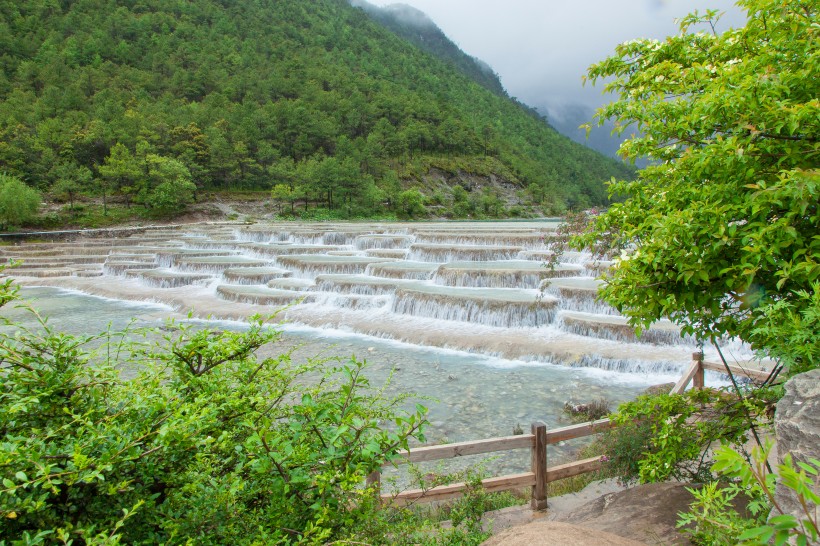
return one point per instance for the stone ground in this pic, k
(602, 514)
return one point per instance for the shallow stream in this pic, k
(463, 314)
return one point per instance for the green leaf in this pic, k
(757, 534)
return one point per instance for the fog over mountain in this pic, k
(541, 50)
(417, 27)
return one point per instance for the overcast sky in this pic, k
(541, 48)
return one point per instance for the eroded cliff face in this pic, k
(797, 426)
(437, 179)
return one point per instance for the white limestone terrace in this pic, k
(478, 287)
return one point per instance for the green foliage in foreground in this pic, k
(721, 234)
(207, 444)
(668, 436)
(716, 522)
(665, 437)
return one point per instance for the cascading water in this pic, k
(448, 253)
(254, 275)
(439, 289)
(464, 274)
(500, 307)
(500, 274)
(167, 279)
(404, 269)
(391, 242)
(216, 265)
(310, 265)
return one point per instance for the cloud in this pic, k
(541, 49)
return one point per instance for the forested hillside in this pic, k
(142, 100)
(418, 28)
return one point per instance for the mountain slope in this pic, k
(119, 95)
(415, 26)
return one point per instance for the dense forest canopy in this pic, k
(115, 97)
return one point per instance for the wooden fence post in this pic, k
(539, 466)
(698, 379)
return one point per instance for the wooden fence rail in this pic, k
(536, 441)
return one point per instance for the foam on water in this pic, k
(450, 252)
(478, 306)
(348, 276)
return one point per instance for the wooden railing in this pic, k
(536, 441)
(694, 373)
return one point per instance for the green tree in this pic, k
(411, 203)
(70, 180)
(722, 230)
(168, 188)
(536, 192)
(18, 201)
(121, 169)
(390, 185)
(463, 206)
(287, 193)
(491, 203)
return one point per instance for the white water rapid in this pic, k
(466, 312)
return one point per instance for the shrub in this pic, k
(208, 443)
(667, 436)
(411, 203)
(714, 516)
(18, 201)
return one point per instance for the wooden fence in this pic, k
(536, 441)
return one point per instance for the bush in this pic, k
(790, 331)
(18, 202)
(411, 203)
(208, 443)
(667, 436)
(714, 515)
(590, 411)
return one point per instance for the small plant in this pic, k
(590, 411)
(18, 201)
(715, 519)
(668, 436)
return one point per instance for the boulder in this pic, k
(645, 513)
(797, 427)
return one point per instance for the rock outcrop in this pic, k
(797, 426)
(646, 513)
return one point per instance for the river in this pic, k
(464, 314)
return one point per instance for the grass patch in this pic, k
(234, 195)
(588, 411)
(89, 216)
(443, 511)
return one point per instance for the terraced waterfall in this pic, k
(467, 312)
